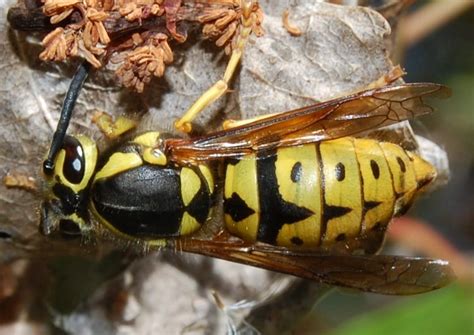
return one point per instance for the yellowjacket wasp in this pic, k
(306, 192)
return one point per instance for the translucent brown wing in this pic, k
(394, 275)
(340, 117)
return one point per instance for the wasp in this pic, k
(307, 192)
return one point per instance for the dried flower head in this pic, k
(87, 27)
(59, 45)
(224, 24)
(146, 61)
(88, 37)
(140, 9)
(59, 10)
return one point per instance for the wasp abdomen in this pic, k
(321, 193)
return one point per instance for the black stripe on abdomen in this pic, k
(274, 210)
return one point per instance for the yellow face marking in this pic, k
(206, 172)
(377, 182)
(403, 174)
(299, 182)
(149, 139)
(117, 163)
(342, 188)
(90, 157)
(241, 179)
(188, 225)
(190, 185)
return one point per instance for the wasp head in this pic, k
(65, 208)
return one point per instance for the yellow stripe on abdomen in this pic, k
(342, 212)
(299, 182)
(403, 175)
(241, 202)
(378, 194)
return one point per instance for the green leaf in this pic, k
(447, 311)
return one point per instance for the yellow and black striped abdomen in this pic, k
(316, 194)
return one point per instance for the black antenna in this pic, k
(66, 112)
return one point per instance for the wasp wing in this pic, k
(393, 275)
(336, 118)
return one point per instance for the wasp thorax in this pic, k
(137, 192)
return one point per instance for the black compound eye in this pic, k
(69, 228)
(74, 162)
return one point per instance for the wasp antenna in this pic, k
(66, 112)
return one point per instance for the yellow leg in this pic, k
(219, 88)
(112, 129)
(229, 124)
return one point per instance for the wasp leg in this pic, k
(111, 128)
(220, 87)
(66, 112)
(229, 124)
(387, 79)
